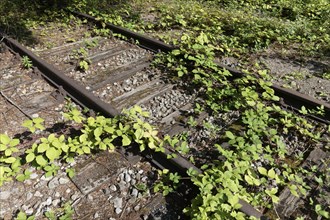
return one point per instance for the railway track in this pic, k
(105, 75)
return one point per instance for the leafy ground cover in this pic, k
(258, 162)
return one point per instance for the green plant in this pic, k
(9, 164)
(24, 176)
(23, 216)
(34, 124)
(168, 182)
(26, 62)
(48, 150)
(83, 65)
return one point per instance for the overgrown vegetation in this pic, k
(258, 163)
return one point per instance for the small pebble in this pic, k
(56, 202)
(135, 192)
(113, 188)
(57, 194)
(118, 202)
(33, 176)
(118, 210)
(48, 201)
(38, 194)
(29, 196)
(127, 178)
(29, 211)
(137, 208)
(4, 195)
(68, 191)
(53, 183)
(63, 181)
(106, 191)
(90, 197)
(96, 215)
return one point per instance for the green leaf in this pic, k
(86, 150)
(230, 135)
(176, 52)
(52, 153)
(38, 120)
(248, 179)
(3, 147)
(10, 160)
(20, 177)
(14, 142)
(233, 200)
(125, 141)
(21, 216)
(30, 157)
(98, 131)
(8, 152)
(41, 160)
(4, 139)
(138, 134)
(271, 174)
(70, 172)
(262, 171)
(42, 147)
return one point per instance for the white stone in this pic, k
(63, 180)
(29, 211)
(33, 176)
(29, 196)
(53, 183)
(38, 194)
(118, 202)
(118, 210)
(113, 188)
(49, 201)
(4, 195)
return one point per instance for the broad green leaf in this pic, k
(248, 179)
(41, 160)
(3, 147)
(10, 160)
(138, 134)
(4, 139)
(233, 200)
(20, 177)
(83, 138)
(21, 216)
(230, 135)
(151, 145)
(98, 131)
(86, 150)
(38, 120)
(176, 52)
(51, 137)
(14, 142)
(125, 141)
(56, 143)
(30, 157)
(8, 152)
(52, 153)
(43, 147)
(271, 174)
(262, 171)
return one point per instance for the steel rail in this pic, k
(290, 97)
(76, 91)
(143, 41)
